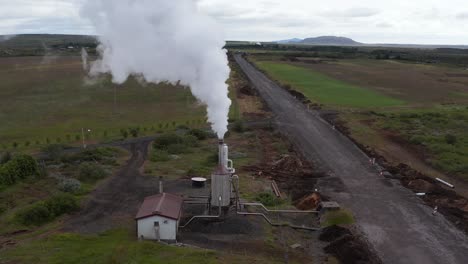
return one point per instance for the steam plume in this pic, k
(163, 41)
(84, 59)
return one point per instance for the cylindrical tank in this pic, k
(221, 187)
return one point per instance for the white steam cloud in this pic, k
(163, 41)
(84, 59)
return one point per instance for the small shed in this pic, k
(159, 216)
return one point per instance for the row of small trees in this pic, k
(124, 133)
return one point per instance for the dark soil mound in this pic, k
(333, 232)
(351, 250)
(230, 225)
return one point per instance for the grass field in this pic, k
(323, 89)
(116, 246)
(46, 98)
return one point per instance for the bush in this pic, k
(134, 132)
(238, 126)
(53, 151)
(91, 172)
(339, 217)
(450, 139)
(42, 212)
(69, 185)
(177, 148)
(160, 156)
(268, 199)
(5, 158)
(190, 140)
(96, 154)
(35, 214)
(199, 134)
(61, 204)
(163, 141)
(18, 168)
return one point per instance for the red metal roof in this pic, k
(163, 204)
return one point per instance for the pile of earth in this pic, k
(347, 247)
(291, 173)
(308, 202)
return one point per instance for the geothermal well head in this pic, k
(221, 178)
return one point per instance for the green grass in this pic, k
(52, 101)
(117, 246)
(320, 88)
(431, 129)
(339, 217)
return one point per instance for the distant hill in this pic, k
(331, 40)
(293, 40)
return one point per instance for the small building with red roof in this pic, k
(159, 216)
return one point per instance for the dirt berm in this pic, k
(347, 247)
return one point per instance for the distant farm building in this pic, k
(159, 217)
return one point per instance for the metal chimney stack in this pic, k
(221, 177)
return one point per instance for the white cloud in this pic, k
(373, 21)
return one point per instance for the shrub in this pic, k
(134, 132)
(42, 212)
(35, 214)
(163, 141)
(91, 172)
(190, 140)
(18, 168)
(53, 151)
(69, 185)
(238, 126)
(198, 133)
(177, 148)
(96, 154)
(5, 158)
(450, 139)
(339, 217)
(268, 199)
(124, 133)
(61, 204)
(160, 156)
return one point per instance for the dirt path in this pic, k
(394, 220)
(115, 201)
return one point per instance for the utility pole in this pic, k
(115, 100)
(83, 136)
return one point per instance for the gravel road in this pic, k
(399, 226)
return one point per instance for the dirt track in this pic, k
(394, 220)
(115, 201)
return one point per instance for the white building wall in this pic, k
(167, 228)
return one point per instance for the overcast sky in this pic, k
(369, 21)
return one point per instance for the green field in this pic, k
(325, 90)
(117, 246)
(50, 102)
